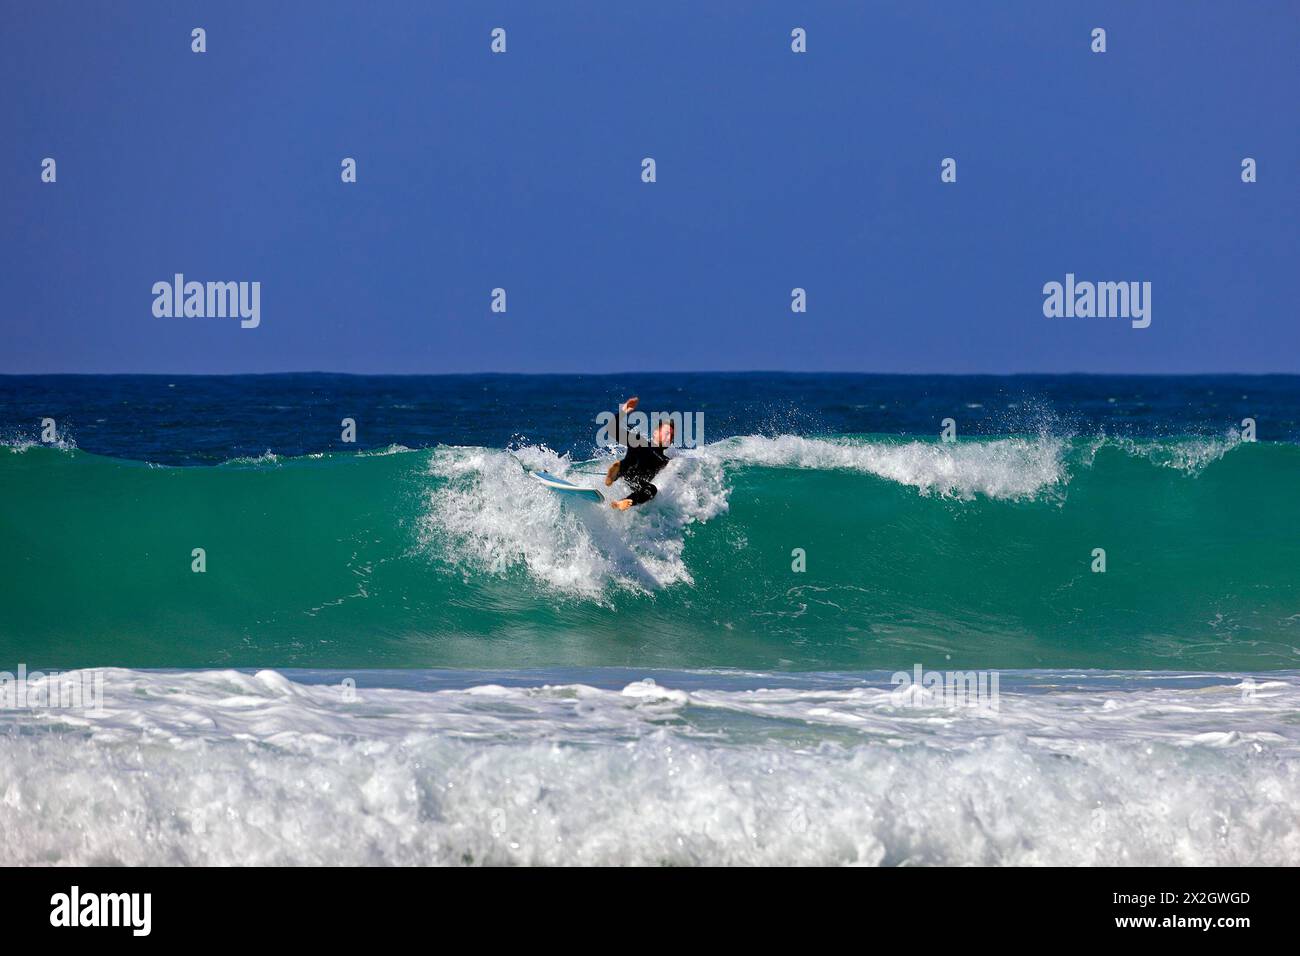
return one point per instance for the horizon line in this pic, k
(624, 373)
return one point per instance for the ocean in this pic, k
(403, 650)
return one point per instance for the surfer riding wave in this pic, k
(644, 459)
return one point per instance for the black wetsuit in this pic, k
(641, 463)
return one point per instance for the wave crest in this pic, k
(1002, 468)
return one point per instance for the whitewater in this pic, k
(663, 768)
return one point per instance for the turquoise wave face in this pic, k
(974, 554)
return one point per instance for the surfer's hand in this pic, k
(630, 403)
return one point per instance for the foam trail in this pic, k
(1190, 456)
(1000, 468)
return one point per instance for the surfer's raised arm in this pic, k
(621, 432)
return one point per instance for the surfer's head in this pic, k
(664, 433)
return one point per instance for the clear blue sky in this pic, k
(775, 170)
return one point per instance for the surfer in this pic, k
(643, 460)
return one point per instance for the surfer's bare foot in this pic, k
(611, 476)
(621, 505)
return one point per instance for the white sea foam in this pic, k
(1010, 468)
(18, 443)
(233, 768)
(486, 514)
(393, 449)
(1188, 455)
(267, 457)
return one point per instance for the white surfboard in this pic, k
(566, 487)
